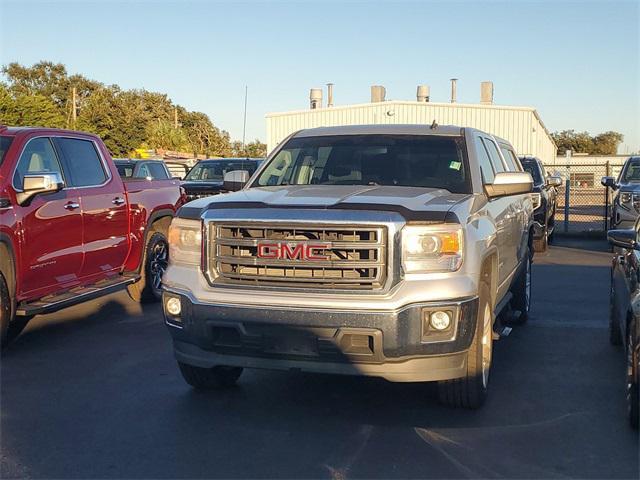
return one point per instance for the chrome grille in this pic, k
(349, 257)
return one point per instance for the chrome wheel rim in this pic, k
(158, 263)
(487, 345)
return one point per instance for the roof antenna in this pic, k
(434, 125)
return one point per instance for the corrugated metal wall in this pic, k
(520, 125)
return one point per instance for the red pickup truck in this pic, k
(71, 229)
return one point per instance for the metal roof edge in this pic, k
(405, 102)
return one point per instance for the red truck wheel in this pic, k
(156, 257)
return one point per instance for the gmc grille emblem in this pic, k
(296, 251)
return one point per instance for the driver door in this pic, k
(49, 225)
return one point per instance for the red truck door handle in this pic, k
(118, 201)
(72, 206)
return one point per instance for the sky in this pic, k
(577, 63)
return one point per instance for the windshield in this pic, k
(207, 171)
(533, 169)
(400, 160)
(632, 171)
(5, 143)
(124, 170)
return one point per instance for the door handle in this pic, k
(72, 206)
(118, 201)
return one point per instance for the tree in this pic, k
(253, 149)
(41, 95)
(29, 110)
(581, 142)
(163, 135)
(203, 136)
(607, 143)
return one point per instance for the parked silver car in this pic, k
(386, 250)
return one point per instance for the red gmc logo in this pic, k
(298, 251)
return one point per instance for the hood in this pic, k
(414, 203)
(630, 187)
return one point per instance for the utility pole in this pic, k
(244, 125)
(74, 107)
(175, 117)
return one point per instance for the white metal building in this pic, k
(522, 126)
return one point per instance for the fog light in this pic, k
(173, 306)
(440, 320)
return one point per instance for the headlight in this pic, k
(431, 248)
(185, 241)
(625, 197)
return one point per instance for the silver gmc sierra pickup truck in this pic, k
(388, 250)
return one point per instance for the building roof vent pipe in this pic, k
(329, 94)
(422, 93)
(454, 90)
(315, 98)
(378, 93)
(486, 93)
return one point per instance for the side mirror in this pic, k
(609, 182)
(509, 183)
(235, 180)
(554, 181)
(623, 238)
(38, 183)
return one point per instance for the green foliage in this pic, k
(30, 110)
(581, 142)
(253, 149)
(41, 95)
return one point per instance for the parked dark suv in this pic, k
(544, 202)
(206, 178)
(624, 316)
(626, 201)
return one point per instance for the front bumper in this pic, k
(398, 345)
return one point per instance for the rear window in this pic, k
(124, 170)
(214, 171)
(5, 143)
(392, 160)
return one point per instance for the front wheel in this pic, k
(210, 378)
(470, 391)
(156, 259)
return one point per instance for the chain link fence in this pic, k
(583, 204)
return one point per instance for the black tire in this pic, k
(615, 337)
(210, 378)
(470, 391)
(156, 256)
(633, 394)
(522, 291)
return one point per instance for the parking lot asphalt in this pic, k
(93, 391)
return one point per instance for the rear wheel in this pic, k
(470, 391)
(633, 394)
(210, 378)
(156, 259)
